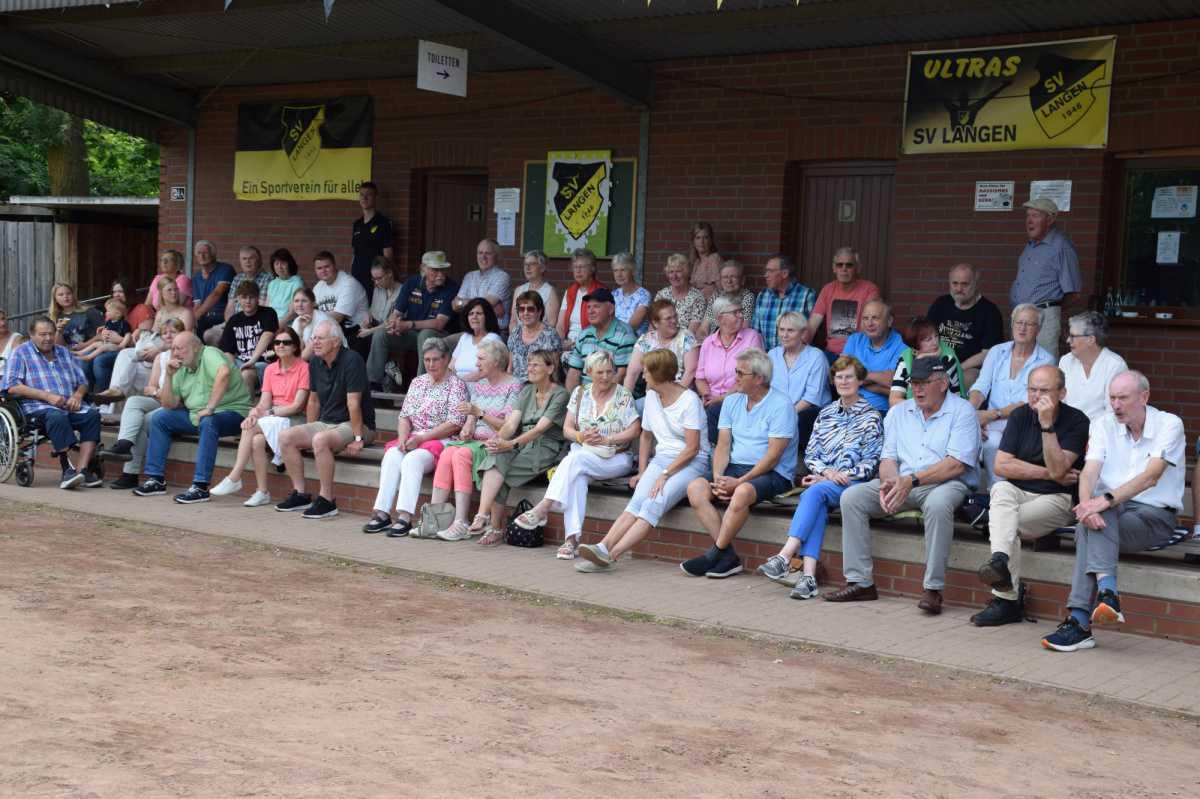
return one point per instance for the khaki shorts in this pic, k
(344, 431)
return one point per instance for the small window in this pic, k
(1158, 235)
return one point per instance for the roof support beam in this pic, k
(94, 79)
(566, 48)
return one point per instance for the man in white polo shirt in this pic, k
(1131, 491)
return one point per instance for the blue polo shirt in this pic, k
(416, 303)
(773, 417)
(917, 443)
(807, 380)
(883, 359)
(203, 286)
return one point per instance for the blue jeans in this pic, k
(808, 523)
(61, 425)
(168, 422)
(99, 370)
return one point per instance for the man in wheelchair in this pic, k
(50, 386)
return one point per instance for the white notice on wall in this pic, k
(508, 201)
(1173, 202)
(1168, 247)
(506, 228)
(441, 68)
(1057, 190)
(994, 195)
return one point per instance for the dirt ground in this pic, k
(144, 662)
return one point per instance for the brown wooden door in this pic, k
(455, 211)
(843, 204)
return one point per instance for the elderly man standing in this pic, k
(755, 459)
(211, 280)
(1038, 462)
(1130, 491)
(1047, 271)
(930, 448)
(966, 320)
(50, 384)
(488, 281)
(202, 394)
(604, 332)
(878, 347)
(341, 418)
(1003, 380)
(422, 311)
(841, 301)
(782, 294)
(370, 238)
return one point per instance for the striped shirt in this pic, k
(29, 367)
(770, 306)
(618, 339)
(846, 439)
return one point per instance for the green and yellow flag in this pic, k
(578, 196)
(1025, 97)
(317, 150)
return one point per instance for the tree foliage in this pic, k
(119, 165)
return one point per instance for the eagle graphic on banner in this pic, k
(1064, 91)
(578, 200)
(302, 135)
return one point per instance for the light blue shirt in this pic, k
(773, 417)
(917, 443)
(994, 381)
(883, 359)
(807, 380)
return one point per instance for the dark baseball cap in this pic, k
(600, 295)
(925, 368)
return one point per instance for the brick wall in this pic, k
(723, 156)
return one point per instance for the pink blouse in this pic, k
(717, 364)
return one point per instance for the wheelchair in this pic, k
(19, 440)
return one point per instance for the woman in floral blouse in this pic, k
(429, 417)
(844, 449)
(688, 301)
(461, 465)
(601, 422)
(665, 334)
(530, 332)
(632, 300)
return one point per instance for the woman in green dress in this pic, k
(529, 443)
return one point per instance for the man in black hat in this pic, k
(604, 332)
(929, 463)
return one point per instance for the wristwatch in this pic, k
(358, 439)
(1049, 430)
(1111, 499)
(916, 481)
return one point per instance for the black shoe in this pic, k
(70, 478)
(378, 523)
(152, 487)
(125, 482)
(727, 564)
(281, 467)
(400, 529)
(1108, 609)
(999, 611)
(294, 501)
(1069, 637)
(122, 450)
(995, 572)
(93, 475)
(699, 566)
(192, 496)
(320, 508)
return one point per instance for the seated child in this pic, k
(114, 335)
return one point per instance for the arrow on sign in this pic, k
(443, 73)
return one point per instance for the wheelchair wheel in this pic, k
(10, 445)
(24, 472)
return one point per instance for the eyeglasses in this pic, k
(287, 341)
(1079, 335)
(740, 373)
(1025, 324)
(849, 265)
(527, 308)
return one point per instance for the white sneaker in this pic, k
(257, 499)
(455, 532)
(226, 487)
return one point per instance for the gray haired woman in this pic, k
(730, 282)
(1089, 366)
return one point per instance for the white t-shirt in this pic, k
(161, 359)
(667, 424)
(345, 296)
(546, 290)
(1162, 437)
(317, 318)
(1089, 393)
(463, 360)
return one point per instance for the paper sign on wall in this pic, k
(1167, 251)
(1173, 202)
(1057, 190)
(441, 68)
(508, 201)
(994, 195)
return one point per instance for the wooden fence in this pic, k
(26, 264)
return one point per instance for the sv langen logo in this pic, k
(579, 200)
(1065, 91)
(302, 136)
